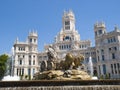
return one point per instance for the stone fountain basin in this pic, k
(57, 83)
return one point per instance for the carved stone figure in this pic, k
(51, 63)
(52, 55)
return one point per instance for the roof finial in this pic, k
(116, 27)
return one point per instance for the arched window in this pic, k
(67, 38)
(33, 71)
(33, 62)
(29, 62)
(17, 71)
(20, 62)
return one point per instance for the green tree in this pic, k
(3, 66)
(107, 76)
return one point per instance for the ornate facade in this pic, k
(107, 51)
(26, 53)
(105, 55)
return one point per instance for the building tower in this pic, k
(33, 50)
(68, 20)
(33, 41)
(99, 30)
(68, 31)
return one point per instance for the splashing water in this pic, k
(11, 78)
(90, 66)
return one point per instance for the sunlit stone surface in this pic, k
(11, 78)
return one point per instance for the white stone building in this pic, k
(105, 54)
(26, 62)
(107, 51)
(68, 41)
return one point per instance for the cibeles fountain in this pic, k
(71, 68)
(10, 76)
(62, 75)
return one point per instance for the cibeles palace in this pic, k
(105, 55)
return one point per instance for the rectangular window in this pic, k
(115, 48)
(102, 51)
(99, 70)
(95, 33)
(67, 27)
(113, 55)
(17, 71)
(108, 40)
(80, 46)
(109, 49)
(111, 40)
(18, 56)
(115, 68)
(103, 58)
(60, 47)
(104, 69)
(112, 69)
(118, 65)
(29, 62)
(98, 58)
(30, 39)
(34, 40)
(20, 62)
(69, 46)
(29, 56)
(33, 62)
(114, 39)
(67, 22)
(19, 48)
(20, 71)
(29, 71)
(64, 46)
(23, 71)
(33, 71)
(34, 56)
(100, 32)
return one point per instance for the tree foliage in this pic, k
(3, 61)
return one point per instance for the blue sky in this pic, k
(18, 17)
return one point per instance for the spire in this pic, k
(116, 28)
(33, 32)
(17, 40)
